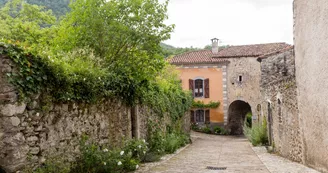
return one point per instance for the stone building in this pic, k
(311, 40)
(279, 103)
(231, 75)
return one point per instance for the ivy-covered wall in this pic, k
(36, 128)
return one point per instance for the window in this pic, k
(240, 79)
(199, 88)
(279, 111)
(200, 116)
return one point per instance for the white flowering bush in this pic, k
(96, 159)
(138, 148)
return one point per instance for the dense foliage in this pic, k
(99, 50)
(202, 105)
(217, 130)
(161, 142)
(59, 7)
(26, 24)
(96, 158)
(257, 134)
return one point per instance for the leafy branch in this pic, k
(202, 105)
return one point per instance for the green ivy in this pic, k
(30, 76)
(202, 105)
(82, 81)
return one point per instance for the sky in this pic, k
(234, 22)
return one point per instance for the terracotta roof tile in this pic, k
(277, 52)
(206, 56)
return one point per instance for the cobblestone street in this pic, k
(233, 153)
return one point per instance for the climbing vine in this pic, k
(84, 82)
(30, 76)
(202, 105)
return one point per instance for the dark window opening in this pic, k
(240, 79)
(285, 70)
(279, 111)
(200, 116)
(199, 88)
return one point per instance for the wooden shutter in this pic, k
(192, 116)
(207, 88)
(191, 86)
(207, 116)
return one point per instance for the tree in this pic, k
(25, 23)
(126, 34)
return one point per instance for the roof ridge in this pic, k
(277, 52)
(193, 51)
(232, 51)
(257, 44)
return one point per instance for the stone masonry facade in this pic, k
(311, 62)
(31, 132)
(278, 89)
(248, 89)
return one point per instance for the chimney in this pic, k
(215, 45)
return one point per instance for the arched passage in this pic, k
(2, 170)
(236, 116)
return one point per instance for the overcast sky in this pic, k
(234, 22)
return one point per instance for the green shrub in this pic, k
(174, 141)
(194, 127)
(220, 130)
(217, 129)
(137, 148)
(224, 132)
(206, 130)
(101, 159)
(257, 135)
(249, 119)
(96, 159)
(52, 165)
(161, 143)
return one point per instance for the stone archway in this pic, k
(236, 116)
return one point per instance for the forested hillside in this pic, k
(58, 7)
(169, 50)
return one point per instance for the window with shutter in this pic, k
(200, 117)
(192, 116)
(199, 88)
(207, 116)
(191, 86)
(207, 88)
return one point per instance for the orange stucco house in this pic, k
(230, 75)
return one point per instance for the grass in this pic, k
(257, 134)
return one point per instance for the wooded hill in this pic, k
(58, 7)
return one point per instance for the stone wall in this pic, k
(311, 40)
(248, 90)
(33, 131)
(278, 88)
